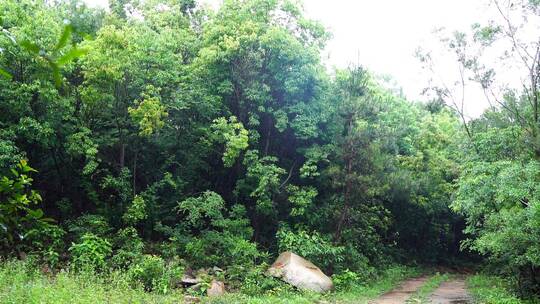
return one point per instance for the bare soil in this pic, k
(451, 292)
(401, 293)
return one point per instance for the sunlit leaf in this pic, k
(71, 55)
(31, 47)
(66, 34)
(5, 74)
(56, 74)
(38, 213)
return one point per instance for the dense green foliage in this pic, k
(165, 137)
(497, 190)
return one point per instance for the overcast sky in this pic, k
(384, 34)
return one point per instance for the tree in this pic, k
(496, 188)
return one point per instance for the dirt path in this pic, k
(451, 292)
(401, 293)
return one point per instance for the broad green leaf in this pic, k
(5, 74)
(66, 34)
(71, 55)
(31, 47)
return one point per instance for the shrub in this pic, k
(48, 243)
(18, 214)
(254, 281)
(212, 235)
(89, 223)
(154, 274)
(149, 271)
(491, 289)
(358, 263)
(200, 210)
(345, 280)
(312, 246)
(128, 248)
(214, 248)
(136, 211)
(90, 253)
(500, 201)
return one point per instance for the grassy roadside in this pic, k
(487, 289)
(421, 295)
(386, 281)
(21, 283)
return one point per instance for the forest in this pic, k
(161, 139)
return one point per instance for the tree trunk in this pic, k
(349, 156)
(122, 155)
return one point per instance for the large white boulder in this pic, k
(300, 273)
(217, 288)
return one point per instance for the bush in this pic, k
(500, 201)
(18, 212)
(224, 249)
(48, 243)
(149, 271)
(312, 246)
(358, 263)
(89, 223)
(212, 235)
(128, 248)
(154, 274)
(90, 253)
(488, 289)
(136, 211)
(346, 280)
(254, 281)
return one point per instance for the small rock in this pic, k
(191, 299)
(217, 288)
(196, 287)
(203, 272)
(216, 269)
(188, 280)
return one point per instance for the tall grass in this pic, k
(493, 290)
(22, 282)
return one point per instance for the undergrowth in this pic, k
(24, 282)
(488, 289)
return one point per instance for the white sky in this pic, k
(384, 34)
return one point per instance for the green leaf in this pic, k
(56, 74)
(70, 55)
(48, 220)
(66, 34)
(5, 74)
(31, 47)
(37, 214)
